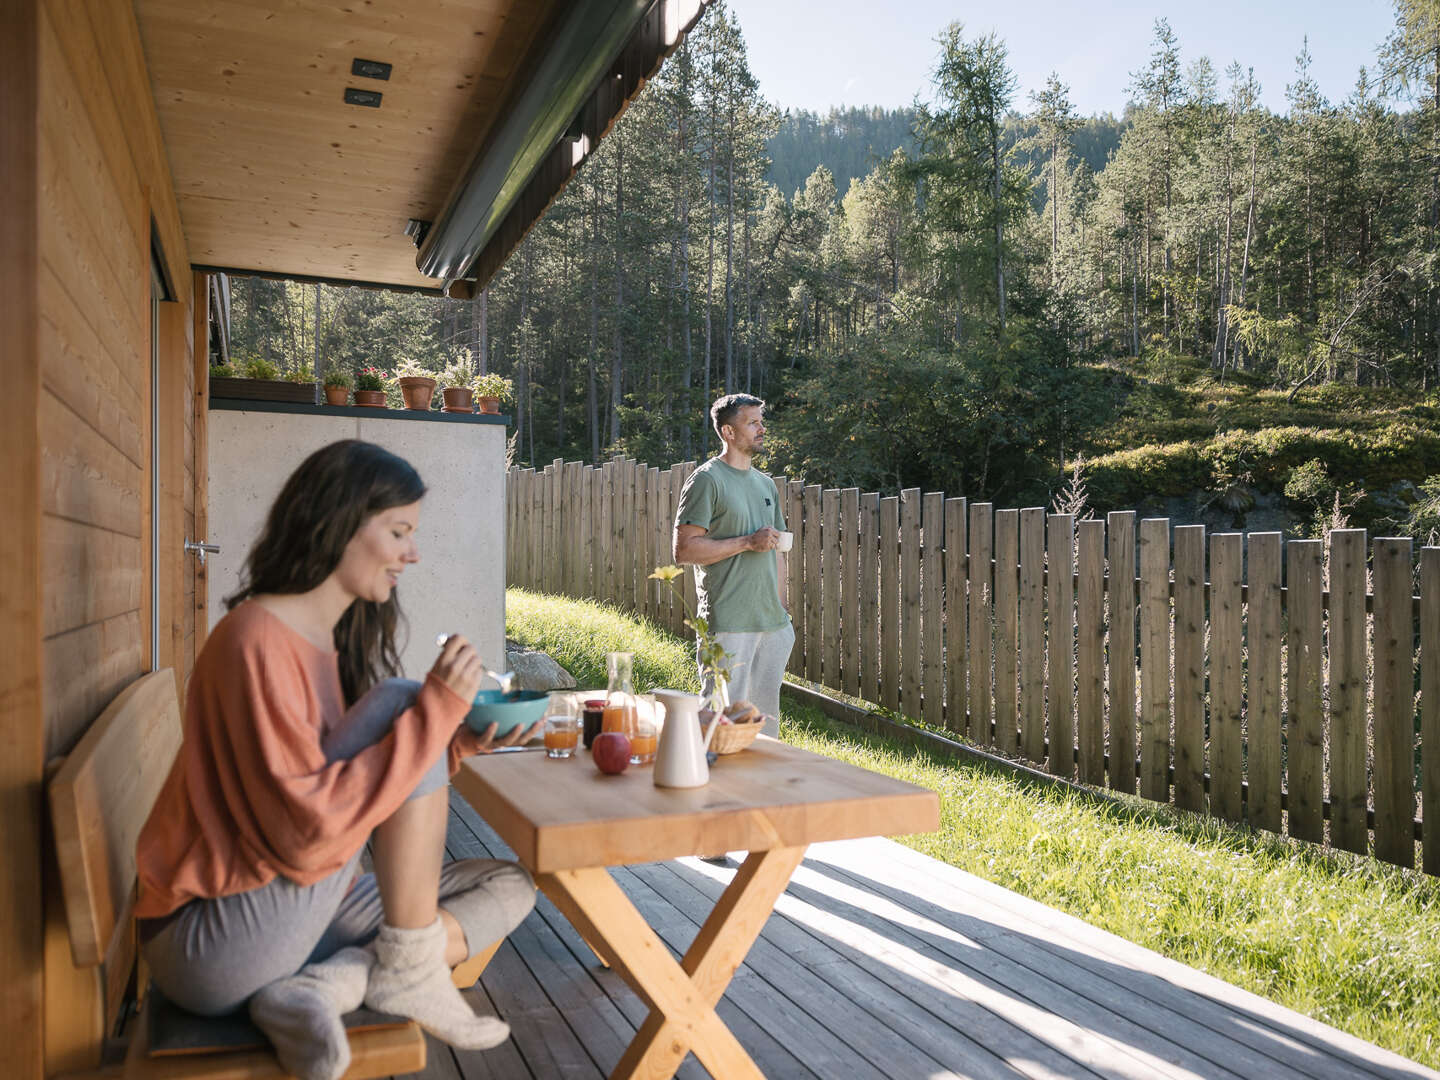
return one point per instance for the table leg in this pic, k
(682, 997)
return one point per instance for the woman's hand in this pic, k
(469, 742)
(458, 666)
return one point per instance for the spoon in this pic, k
(505, 679)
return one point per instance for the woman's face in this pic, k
(378, 553)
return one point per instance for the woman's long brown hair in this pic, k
(323, 504)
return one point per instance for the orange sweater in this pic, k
(250, 794)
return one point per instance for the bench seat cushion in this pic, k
(173, 1031)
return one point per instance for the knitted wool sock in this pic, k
(301, 1013)
(411, 979)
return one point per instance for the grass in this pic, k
(1348, 941)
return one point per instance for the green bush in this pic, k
(260, 369)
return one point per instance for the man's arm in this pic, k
(691, 546)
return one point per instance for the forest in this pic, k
(983, 295)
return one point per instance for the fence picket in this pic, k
(1090, 652)
(957, 702)
(1190, 667)
(1121, 594)
(1155, 659)
(1430, 707)
(1227, 700)
(811, 593)
(608, 531)
(911, 660)
(795, 569)
(1394, 703)
(1031, 652)
(932, 590)
(692, 596)
(982, 599)
(831, 575)
(1060, 604)
(850, 590)
(1262, 639)
(1007, 630)
(1305, 650)
(890, 602)
(1348, 797)
(870, 597)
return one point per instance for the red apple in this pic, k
(611, 751)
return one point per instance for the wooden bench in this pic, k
(99, 799)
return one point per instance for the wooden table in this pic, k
(567, 822)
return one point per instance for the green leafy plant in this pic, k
(455, 376)
(338, 379)
(260, 369)
(303, 374)
(714, 660)
(370, 378)
(492, 385)
(411, 369)
(223, 371)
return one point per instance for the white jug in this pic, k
(680, 759)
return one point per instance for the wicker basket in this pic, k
(732, 738)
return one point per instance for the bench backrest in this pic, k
(99, 800)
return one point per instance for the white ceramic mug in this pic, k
(786, 540)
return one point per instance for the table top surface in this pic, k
(564, 814)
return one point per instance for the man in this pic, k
(728, 527)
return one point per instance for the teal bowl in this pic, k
(505, 711)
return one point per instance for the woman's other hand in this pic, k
(468, 742)
(458, 666)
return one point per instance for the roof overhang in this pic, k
(485, 112)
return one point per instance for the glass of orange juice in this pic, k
(562, 726)
(643, 742)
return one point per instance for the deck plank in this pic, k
(881, 963)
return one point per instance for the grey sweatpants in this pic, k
(757, 667)
(213, 954)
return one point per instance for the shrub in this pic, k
(260, 369)
(223, 371)
(370, 378)
(303, 374)
(339, 379)
(492, 385)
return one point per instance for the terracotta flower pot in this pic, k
(337, 395)
(375, 399)
(488, 404)
(417, 390)
(458, 399)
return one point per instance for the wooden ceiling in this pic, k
(274, 172)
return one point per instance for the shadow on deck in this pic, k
(881, 962)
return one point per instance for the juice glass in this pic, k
(562, 726)
(643, 742)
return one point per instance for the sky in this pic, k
(816, 53)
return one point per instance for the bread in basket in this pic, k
(741, 723)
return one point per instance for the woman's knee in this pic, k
(487, 897)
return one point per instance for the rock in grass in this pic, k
(535, 670)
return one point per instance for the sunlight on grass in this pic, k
(1348, 941)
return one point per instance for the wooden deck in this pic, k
(880, 962)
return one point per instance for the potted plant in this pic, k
(337, 387)
(455, 388)
(490, 390)
(417, 387)
(370, 388)
(256, 379)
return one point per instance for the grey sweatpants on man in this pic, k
(757, 667)
(211, 955)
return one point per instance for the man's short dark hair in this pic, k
(724, 410)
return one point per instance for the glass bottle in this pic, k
(620, 709)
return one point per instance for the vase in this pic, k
(417, 390)
(337, 395)
(458, 399)
(488, 403)
(374, 399)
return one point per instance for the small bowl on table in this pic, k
(506, 711)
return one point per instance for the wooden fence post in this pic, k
(870, 597)
(1060, 604)
(1031, 652)
(1121, 591)
(1305, 648)
(1394, 703)
(1227, 700)
(1007, 630)
(1190, 667)
(1348, 796)
(1155, 659)
(1090, 652)
(814, 642)
(957, 702)
(932, 592)
(790, 493)
(1262, 638)
(982, 599)
(1430, 707)
(890, 602)
(850, 590)
(832, 575)
(911, 660)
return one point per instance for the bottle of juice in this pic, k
(620, 696)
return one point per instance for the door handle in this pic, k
(199, 548)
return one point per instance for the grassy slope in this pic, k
(1347, 941)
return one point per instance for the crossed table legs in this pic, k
(682, 997)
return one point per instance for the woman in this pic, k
(300, 746)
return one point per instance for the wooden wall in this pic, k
(81, 148)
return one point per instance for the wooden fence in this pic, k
(1291, 685)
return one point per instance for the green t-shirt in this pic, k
(739, 594)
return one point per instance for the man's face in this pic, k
(746, 430)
